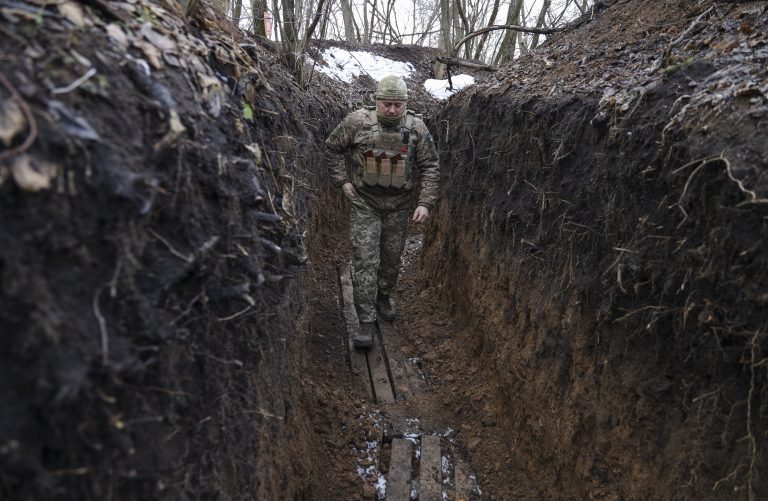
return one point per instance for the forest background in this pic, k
(476, 30)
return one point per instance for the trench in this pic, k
(557, 330)
(582, 318)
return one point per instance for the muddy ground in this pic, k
(587, 306)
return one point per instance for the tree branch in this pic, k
(311, 29)
(511, 27)
(453, 61)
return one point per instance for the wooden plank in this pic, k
(406, 381)
(382, 387)
(462, 481)
(431, 471)
(399, 481)
(357, 360)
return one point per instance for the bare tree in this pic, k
(258, 9)
(506, 50)
(446, 41)
(237, 10)
(540, 22)
(349, 23)
(484, 38)
(463, 28)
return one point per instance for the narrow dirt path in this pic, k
(409, 415)
(410, 453)
(411, 449)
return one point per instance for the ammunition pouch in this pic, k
(386, 159)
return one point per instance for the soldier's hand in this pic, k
(349, 190)
(421, 214)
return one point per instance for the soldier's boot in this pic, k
(364, 336)
(384, 308)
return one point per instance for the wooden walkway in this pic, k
(418, 465)
(428, 479)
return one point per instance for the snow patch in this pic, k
(439, 88)
(446, 466)
(412, 437)
(346, 65)
(381, 487)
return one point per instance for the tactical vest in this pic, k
(386, 156)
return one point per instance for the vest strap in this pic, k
(375, 128)
(407, 127)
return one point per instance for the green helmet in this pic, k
(392, 88)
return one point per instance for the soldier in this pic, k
(390, 149)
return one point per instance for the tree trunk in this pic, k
(388, 22)
(507, 48)
(258, 9)
(276, 19)
(313, 25)
(290, 30)
(463, 28)
(237, 11)
(484, 38)
(291, 36)
(324, 27)
(374, 9)
(349, 23)
(540, 22)
(446, 40)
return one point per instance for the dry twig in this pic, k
(74, 85)
(104, 334)
(183, 257)
(753, 198)
(235, 315)
(752, 440)
(189, 307)
(690, 28)
(113, 283)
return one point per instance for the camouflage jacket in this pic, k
(352, 136)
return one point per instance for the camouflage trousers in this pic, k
(378, 238)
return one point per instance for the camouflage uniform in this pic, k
(379, 216)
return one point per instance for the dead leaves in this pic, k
(117, 35)
(175, 130)
(213, 93)
(73, 12)
(156, 46)
(153, 39)
(30, 173)
(12, 121)
(160, 41)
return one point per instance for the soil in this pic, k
(587, 305)
(602, 264)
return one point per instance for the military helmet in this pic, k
(392, 88)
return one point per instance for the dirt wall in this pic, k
(609, 265)
(151, 248)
